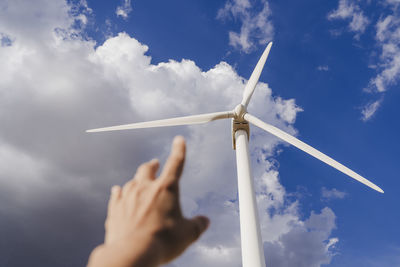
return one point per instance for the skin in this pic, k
(145, 226)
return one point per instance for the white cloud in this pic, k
(344, 10)
(57, 177)
(256, 26)
(287, 109)
(388, 66)
(124, 9)
(369, 110)
(328, 194)
(387, 40)
(301, 246)
(349, 10)
(359, 22)
(323, 68)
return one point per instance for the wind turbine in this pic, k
(251, 243)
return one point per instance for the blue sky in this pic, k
(331, 79)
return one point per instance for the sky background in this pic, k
(331, 79)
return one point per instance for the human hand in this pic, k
(144, 225)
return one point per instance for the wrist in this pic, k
(132, 253)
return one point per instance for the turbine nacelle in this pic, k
(239, 123)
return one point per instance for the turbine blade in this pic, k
(196, 119)
(251, 84)
(310, 150)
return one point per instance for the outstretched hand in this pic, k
(144, 225)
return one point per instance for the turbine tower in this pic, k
(251, 243)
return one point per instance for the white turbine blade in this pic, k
(310, 150)
(251, 84)
(196, 119)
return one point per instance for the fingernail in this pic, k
(153, 161)
(179, 139)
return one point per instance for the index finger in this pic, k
(174, 165)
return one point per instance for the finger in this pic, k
(174, 166)
(196, 227)
(147, 171)
(114, 197)
(127, 187)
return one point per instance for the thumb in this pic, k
(197, 226)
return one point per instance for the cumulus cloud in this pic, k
(349, 10)
(54, 178)
(256, 26)
(328, 194)
(301, 246)
(124, 9)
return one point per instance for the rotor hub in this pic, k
(239, 112)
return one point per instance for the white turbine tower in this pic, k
(251, 243)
